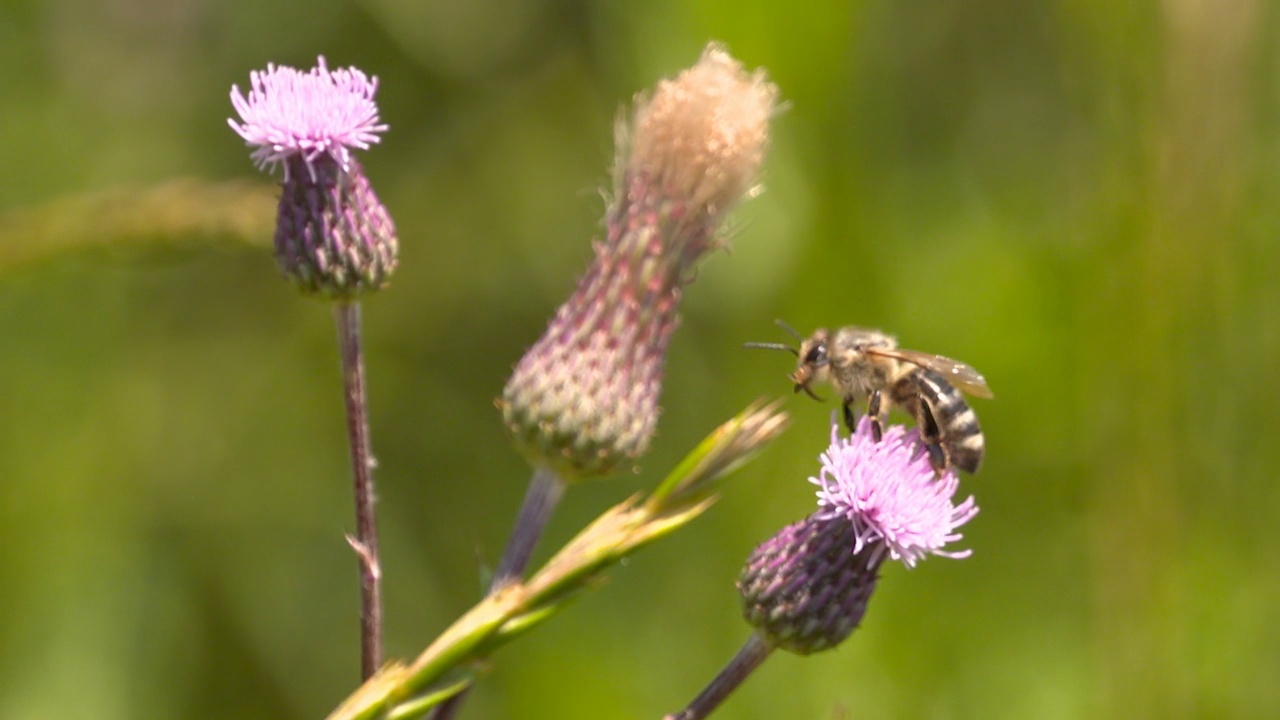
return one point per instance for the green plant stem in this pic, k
(397, 690)
(450, 663)
(752, 654)
(365, 542)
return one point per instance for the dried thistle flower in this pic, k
(584, 399)
(806, 589)
(333, 236)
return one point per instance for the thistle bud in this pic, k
(584, 399)
(803, 590)
(333, 237)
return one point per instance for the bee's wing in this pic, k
(957, 373)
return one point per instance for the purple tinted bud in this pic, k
(804, 590)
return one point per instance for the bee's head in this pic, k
(812, 362)
(812, 355)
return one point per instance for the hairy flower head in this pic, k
(333, 236)
(289, 113)
(807, 588)
(889, 492)
(584, 399)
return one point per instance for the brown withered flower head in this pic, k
(584, 399)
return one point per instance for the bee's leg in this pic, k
(931, 437)
(938, 459)
(850, 421)
(877, 419)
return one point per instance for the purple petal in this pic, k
(307, 114)
(888, 491)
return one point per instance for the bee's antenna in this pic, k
(772, 346)
(789, 330)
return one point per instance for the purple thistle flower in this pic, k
(289, 113)
(333, 236)
(890, 494)
(806, 588)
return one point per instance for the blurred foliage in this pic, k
(1077, 197)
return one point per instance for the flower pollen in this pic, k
(290, 113)
(889, 492)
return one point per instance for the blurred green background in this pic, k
(1081, 198)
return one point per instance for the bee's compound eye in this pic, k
(817, 355)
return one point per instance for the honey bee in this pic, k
(865, 364)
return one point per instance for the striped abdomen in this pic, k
(946, 421)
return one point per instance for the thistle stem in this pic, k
(739, 668)
(544, 493)
(365, 542)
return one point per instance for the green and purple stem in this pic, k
(365, 542)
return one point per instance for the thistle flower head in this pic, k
(888, 491)
(289, 113)
(806, 588)
(584, 399)
(333, 236)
